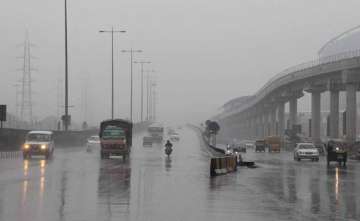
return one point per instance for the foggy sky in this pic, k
(204, 52)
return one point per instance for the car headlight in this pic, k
(43, 147)
(26, 146)
(337, 148)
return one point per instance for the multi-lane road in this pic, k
(77, 185)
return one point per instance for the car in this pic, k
(174, 137)
(249, 145)
(306, 151)
(147, 141)
(93, 141)
(38, 143)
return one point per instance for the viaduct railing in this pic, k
(293, 72)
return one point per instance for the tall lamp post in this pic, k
(142, 84)
(112, 31)
(131, 51)
(66, 117)
(148, 93)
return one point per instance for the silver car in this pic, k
(306, 151)
(93, 141)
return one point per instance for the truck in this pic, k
(115, 138)
(260, 146)
(273, 143)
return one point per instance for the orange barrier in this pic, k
(223, 165)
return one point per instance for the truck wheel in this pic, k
(298, 159)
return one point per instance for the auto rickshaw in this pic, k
(337, 151)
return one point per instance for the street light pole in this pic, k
(112, 66)
(142, 85)
(66, 117)
(148, 93)
(131, 51)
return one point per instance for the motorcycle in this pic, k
(168, 149)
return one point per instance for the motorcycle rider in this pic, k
(168, 146)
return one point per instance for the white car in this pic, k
(306, 151)
(174, 137)
(93, 141)
(38, 143)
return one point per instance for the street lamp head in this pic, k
(101, 31)
(142, 62)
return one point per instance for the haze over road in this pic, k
(77, 185)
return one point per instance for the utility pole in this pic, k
(112, 31)
(26, 91)
(131, 51)
(142, 85)
(17, 88)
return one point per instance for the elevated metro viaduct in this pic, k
(263, 114)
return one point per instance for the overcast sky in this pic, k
(204, 52)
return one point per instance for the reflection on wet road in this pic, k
(77, 185)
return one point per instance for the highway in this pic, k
(76, 185)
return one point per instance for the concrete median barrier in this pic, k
(10, 154)
(223, 165)
(12, 139)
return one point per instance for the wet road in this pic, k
(76, 185)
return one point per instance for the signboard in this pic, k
(2, 112)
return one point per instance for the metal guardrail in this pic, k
(10, 154)
(311, 64)
(293, 72)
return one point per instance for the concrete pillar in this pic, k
(253, 127)
(334, 113)
(260, 135)
(281, 119)
(351, 118)
(273, 121)
(267, 124)
(293, 111)
(315, 116)
(264, 124)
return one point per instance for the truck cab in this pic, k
(115, 138)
